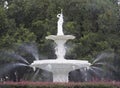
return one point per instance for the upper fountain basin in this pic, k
(60, 37)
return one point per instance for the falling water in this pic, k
(97, 68)
(35, 74)
(60, 49)
(96, 72)
(101, 65)
(101, 69)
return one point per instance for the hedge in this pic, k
(59, 85)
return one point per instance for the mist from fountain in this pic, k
(10, 62)
(102, 65)
(12, 56)
(100, 69)
(86, 73)
(103, 56)
(31, 49)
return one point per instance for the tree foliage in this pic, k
(94, 23)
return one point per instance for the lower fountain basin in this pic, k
(60, 68)
(52, 65)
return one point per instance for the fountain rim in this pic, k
(60, 65)
(57, 61)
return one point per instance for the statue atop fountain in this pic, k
(60, 24)
(60, 67)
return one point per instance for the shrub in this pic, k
(59, 85)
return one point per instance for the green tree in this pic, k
(91, 21)
(94, 23)
(19, 36)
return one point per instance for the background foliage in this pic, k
(94, 23)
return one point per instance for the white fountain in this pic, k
(60, 67)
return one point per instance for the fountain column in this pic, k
(60, 49)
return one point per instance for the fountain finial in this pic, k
(60, 23)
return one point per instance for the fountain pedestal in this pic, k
(61, 76)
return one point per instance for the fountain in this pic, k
(60, 67)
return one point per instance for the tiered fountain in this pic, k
(60, 67)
